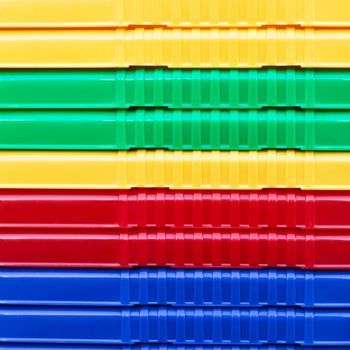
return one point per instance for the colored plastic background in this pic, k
(180, 13)
(253, 326)
(164, 208)
(193, 89)
(175, 48)
(204, 261)
(159, 286)
(175, 129)
(175, 169)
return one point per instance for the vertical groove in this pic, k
(253, 37)
(292, 79)
(272, 207)
(272, 129)
(270, 50)
(274, 243)
(291, 323)
(291, 250)
(254, 326)
(271, 159)
(126, 333)
(272, 287)
(291, 288)
(292, 166)
(309, 289)
(124, 286)
(310, 220)
(291, 210)
(291, 38)
(310, 130)
(307, 160)
(291, 120)
(309, 331)
(310, 251)
(272, 326)
(310, 12)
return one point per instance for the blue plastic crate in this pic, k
(163, 347)
(231, 326)
(161, 286)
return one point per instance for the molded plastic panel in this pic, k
(159, 286)
(175, 13)
(161, 347)
(175, 169)
(319, 130)
(174, 248)
(175, 48)
(164, 208)
(175, 325)
(191, 89)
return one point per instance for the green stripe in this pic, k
(175, 129)
(226, 88)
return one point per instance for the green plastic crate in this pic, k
(175, 129)
(220, 89)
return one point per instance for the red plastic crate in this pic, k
(111, 248)
(162, 208)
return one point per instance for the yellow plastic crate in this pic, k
(176, 13)
(184, 48)
(175, 169)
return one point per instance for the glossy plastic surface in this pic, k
(175, 48)
(193, 89)
(175, 325)
(174, 248)
(175, 169)
(163, 208)
(175, 13)
(159, 286)
(175, 129)
(162, 347)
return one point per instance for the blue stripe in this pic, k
(194, 326)
(162, 286)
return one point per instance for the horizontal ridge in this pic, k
(164, 208)
(159, 347)
(186, 88)
(175, 325)
(174, 248)
(176, 13)
(161, 286)
(175, 169)
(175, 129)
(175, 48)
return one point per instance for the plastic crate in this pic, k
(174, 248)
(326, 130)
(191, 89)
(163, 208)
(175, 169)
(159, 286)
(161, 347)
(251, 326)
(175, 48)
(180, 13)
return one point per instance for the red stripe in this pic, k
(141, 208)
(191, 248)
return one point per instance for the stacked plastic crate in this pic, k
(198, 213)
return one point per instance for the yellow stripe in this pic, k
(175, 48)
(195, 13)
(182, 170)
